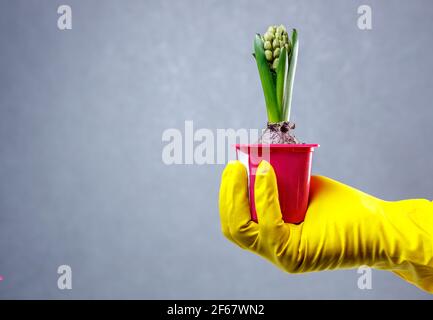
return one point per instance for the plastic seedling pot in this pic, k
(292, 166)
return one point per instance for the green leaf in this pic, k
(268, 82)
(282, 70)
(288, 93)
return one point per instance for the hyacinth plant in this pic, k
(276, 55)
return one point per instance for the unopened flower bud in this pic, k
(268, 55)
(271, 29)
(275, 63)
(281, 29)
(268, 36)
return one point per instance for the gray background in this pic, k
(82, 114)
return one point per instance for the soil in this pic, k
(279, 133)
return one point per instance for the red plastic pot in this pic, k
(292, 166)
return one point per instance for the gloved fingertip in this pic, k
(264, 168)
(232, 162)
(228, 168)
(235, 167)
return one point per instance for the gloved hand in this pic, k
(343, 227)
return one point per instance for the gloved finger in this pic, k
(235, 206)
(269, 215)
(225, 199)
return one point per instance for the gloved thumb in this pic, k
(266, 198)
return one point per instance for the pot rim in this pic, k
(276, 145)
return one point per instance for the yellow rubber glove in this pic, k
(343, 227)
